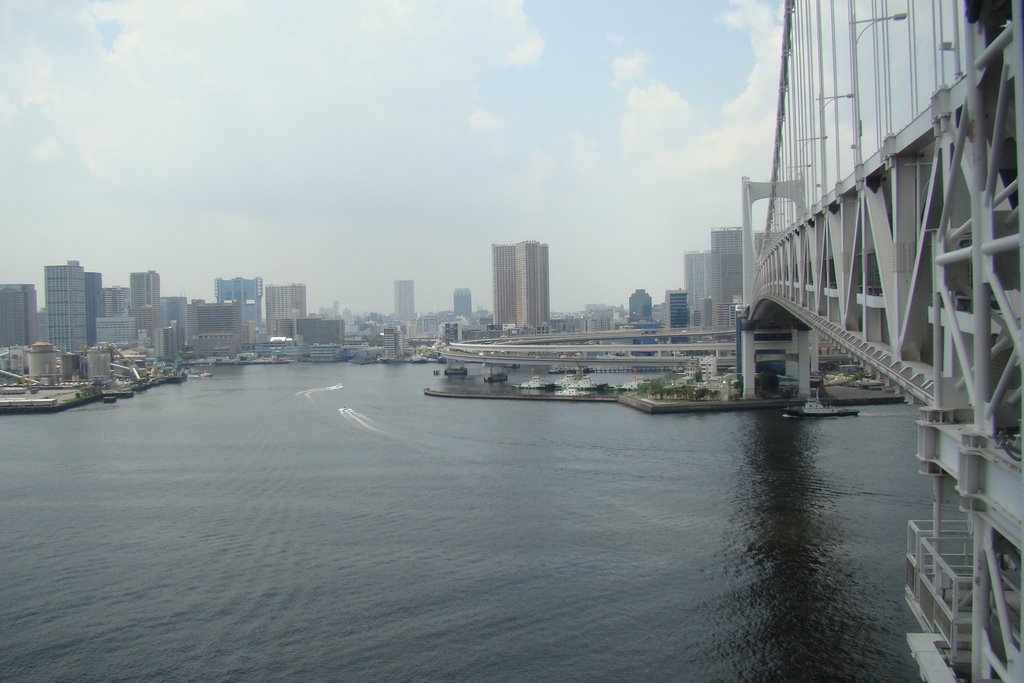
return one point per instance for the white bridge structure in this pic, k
(893, 227)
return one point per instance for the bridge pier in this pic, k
(747, 365)
(803, 362)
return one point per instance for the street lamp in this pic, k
(855, 37)
(822, 103)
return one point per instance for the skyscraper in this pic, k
(463, 303)
(405, 301)
(247, 291)
(503, 280)
(639, 306)
(284, 302)
(65, 305)
(725, 268)
(520, 280)
(145, 289)
(695, 276)
(18, 322)
(93, 305)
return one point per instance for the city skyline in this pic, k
(348, 170)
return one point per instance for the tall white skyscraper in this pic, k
(405, 301)
(520, 279)
(284, 302)
(65, 305)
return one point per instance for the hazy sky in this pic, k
(349, 144)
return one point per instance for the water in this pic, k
(269, 523)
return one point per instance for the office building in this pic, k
(318, 330)
(248, 292)
(640, 307)
(695, 277)
(284, 302)
(520, 282)
(677, 308)
(18, 320)
(216, 328)
(145, 289)
(462, 303)
(114, 301)
(65, 306)
(174, 309)
(93, 305)
(405, 301)
(116, 329)
(725, 270)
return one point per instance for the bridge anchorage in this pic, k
(911, 261)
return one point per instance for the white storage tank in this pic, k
(42, 360)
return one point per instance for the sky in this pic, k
(348, 145)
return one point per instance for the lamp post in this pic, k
(854, 38)
(822, 102)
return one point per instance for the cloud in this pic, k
(526, 53)
(481, 120)
(47, 151)
(630, 69)
(616, 39)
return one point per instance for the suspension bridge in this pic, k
(893, 228)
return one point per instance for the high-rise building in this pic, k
(503, 280)
(145, 289)
(247, 291)
(463, 303)
(677, 308)
(640, 307)
(65, 306)
(695, 276)
(18, 321)
(175, 309)
(113, 302)
(284, 302)
(725, 268)
(93, 305)
(144, 304)
(520, 280)
(405, 301)
(533, 301)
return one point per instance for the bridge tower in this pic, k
(893, 228)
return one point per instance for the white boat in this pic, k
(813, 407)
(534, 382)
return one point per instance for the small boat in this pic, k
(813, 407)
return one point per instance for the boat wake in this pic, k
(308, 393)
(359, 419)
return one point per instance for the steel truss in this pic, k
(913, 264)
